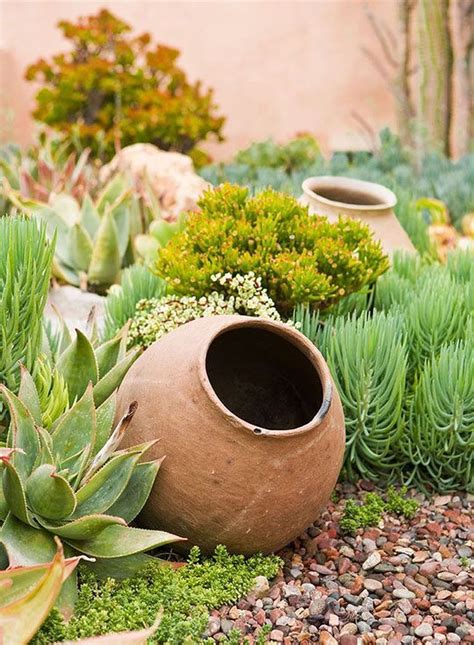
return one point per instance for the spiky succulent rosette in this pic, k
(73, 481)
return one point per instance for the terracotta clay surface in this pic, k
(364, 200)
(251, 426)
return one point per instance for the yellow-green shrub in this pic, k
(301, 258)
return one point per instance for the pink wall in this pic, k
(277, 67)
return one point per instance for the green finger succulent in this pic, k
(72, 481)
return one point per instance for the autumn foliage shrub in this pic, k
(300, 258)
(111, 88)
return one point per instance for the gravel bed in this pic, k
(405, 581)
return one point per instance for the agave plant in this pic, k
(70, 364)
(72, 481)
(50, 167)
(29, 593)
(93, 238)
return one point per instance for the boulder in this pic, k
(171, 176)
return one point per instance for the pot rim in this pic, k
(302, 344)
(387, 197)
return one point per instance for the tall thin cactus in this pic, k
(436, 66)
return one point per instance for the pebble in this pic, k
(372, 585)
(403, 592)
(424, 630)
(372, 561)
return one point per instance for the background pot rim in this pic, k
(295, 338)
(377, 190)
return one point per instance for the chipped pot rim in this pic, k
(299, 341)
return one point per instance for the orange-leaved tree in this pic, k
(111, 89)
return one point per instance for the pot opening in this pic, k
(264, 379)
(349, 196)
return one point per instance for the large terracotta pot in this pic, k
(364, 200)
(252, 428)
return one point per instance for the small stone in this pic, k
(363, 627)
(372, 585)
(372, 561)
(429, 568)
(317, 607)
(348, 639)
(464, 551)
(213, 626)
(226, 625)
(261, 587)
(405, 605)
(369, 545)
(403, 592)
(425, 629)
(348, 628)
(277, 635)
(442, 500)
(421, 556)
(325, 638)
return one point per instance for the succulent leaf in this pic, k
(106, 260)
(28, 395)
(22, 434)
(90, 218)
(75, 433)
(117, 541)
(78, 365)
(106, 485)
(105, 418)
(111, 381)
(26, 545)
(49, 494)
(22, 616)
(107, 355)
(82, 528)
(14, 492)
(137, 491)
(79, 248)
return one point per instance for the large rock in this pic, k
(170, 174)
(75, 306)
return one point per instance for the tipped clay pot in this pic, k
(252, 428)
(364, 200)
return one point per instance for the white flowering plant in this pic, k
(232, 294)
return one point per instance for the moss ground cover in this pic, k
(186, 594)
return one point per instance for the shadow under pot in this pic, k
(371, 203)
(252, 428)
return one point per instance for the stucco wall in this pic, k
(277, 67)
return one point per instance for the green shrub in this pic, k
(25, 268)
(297, 154)
(111, 88)
(300, 258)
(186, 594)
